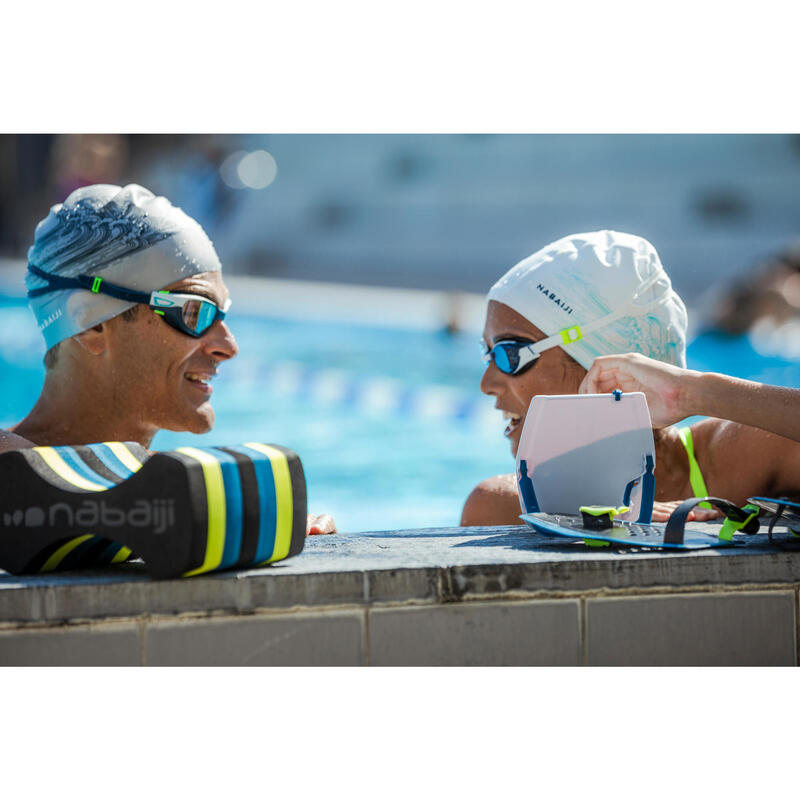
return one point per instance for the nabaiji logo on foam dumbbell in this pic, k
(156, 514)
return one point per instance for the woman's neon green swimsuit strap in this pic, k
(695, 476)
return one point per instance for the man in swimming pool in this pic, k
(128, 293)
(597, 294)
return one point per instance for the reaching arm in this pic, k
(674, 394)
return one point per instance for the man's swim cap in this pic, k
(602, 293)
(128, 236)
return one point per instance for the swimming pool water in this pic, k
(387, 423)
(390, 425)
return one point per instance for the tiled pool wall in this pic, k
(725, 628)
(344, 603)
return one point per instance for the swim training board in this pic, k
(590, 449)
(674, 535)
(632, 534)
(185, 512)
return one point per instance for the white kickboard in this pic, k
(586, 450)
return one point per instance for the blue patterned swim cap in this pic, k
(612, 285)
(128, 236)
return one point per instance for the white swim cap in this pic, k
(598, 294)
(129, 236)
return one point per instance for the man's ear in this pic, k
(93, 340)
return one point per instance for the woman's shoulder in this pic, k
(722, 435)
(750, 460)
(493, 501)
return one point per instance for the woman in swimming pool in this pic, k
(597, 294)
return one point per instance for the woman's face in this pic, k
(554, 372)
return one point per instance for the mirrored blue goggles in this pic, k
(191, 314)
(511, 356)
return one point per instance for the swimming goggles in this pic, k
(514, 356)
(782, 509)
(191, 314)
(511, 356)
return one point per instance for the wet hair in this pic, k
(51, 356)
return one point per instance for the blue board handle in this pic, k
(526, 491)
(648, 491)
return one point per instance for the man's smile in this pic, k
(201, 379)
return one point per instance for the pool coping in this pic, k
(424, 566)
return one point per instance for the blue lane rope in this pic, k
(342, 389)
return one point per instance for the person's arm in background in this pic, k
(673, 394)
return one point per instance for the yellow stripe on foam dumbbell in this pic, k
(215, 496)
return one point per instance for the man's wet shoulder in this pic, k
(10, 441)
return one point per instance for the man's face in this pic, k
(554, 372)
(162, 375)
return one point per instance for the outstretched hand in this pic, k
(665, 386)
(319, 523)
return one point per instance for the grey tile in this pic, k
(541, 632)
(140, 597)
(474, 580)
(201, 593)
(273, 589)
(400, 585)
(293, 639)
(735, 629)
(111, 645)
(21, 604)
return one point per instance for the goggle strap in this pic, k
(578, 332)
(91, 283)
(98, 285)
